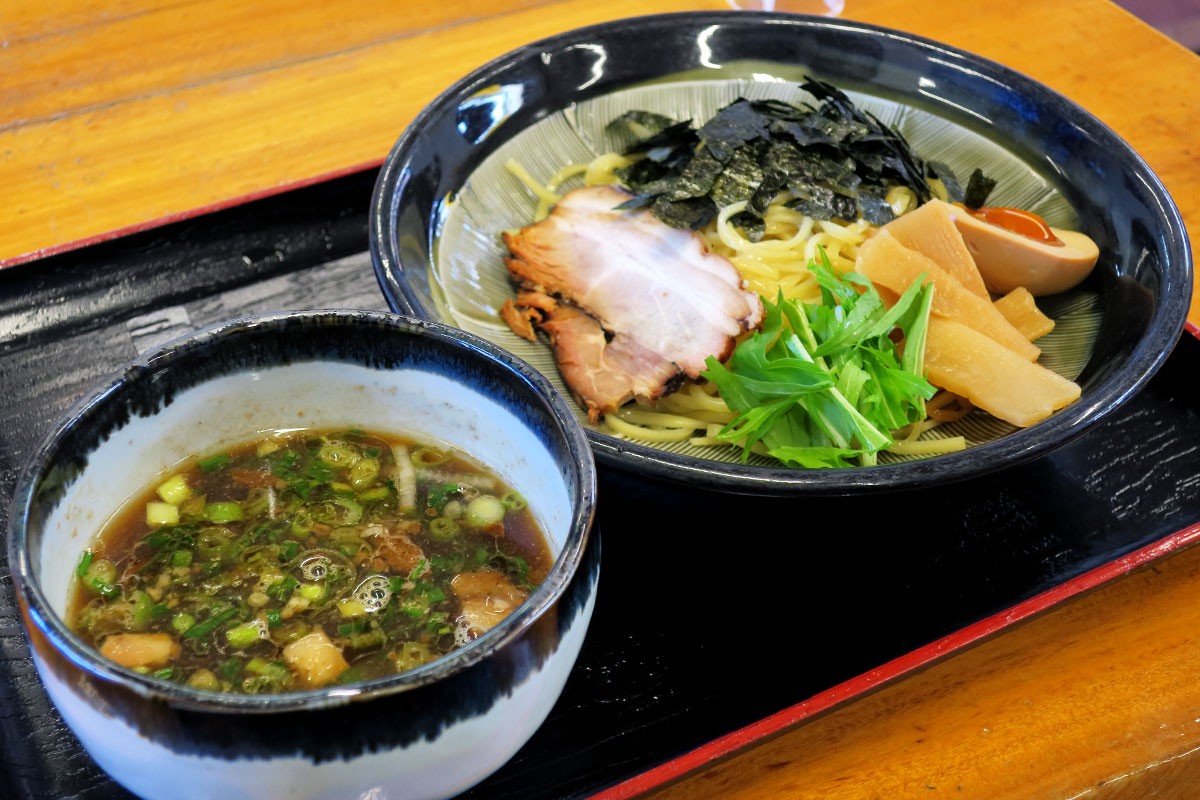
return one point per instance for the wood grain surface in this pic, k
(122, 116)
(117, 116)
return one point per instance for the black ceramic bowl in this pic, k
(444, 195)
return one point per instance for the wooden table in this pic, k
(122, 116)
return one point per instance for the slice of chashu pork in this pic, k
(632, 306)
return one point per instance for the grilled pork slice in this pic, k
(639, 303)
(605, 374)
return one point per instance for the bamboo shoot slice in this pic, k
(887, 262)
(930, 230)
(993, 377)
(1020, 308)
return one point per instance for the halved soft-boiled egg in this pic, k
(1012, 248)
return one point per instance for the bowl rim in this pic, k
(1163, 329)
(38, 609)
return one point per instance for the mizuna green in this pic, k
(825, 384)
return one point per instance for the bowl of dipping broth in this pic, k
(318, 554)
(642, 210)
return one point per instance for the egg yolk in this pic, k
(1019, 221)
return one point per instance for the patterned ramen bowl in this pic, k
(486, 159)
(431, 731)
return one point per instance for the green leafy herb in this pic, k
(441, 494)
(825, 384)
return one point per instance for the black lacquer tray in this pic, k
(692, 639)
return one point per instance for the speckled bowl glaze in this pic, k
(428, 733)
(540, 102)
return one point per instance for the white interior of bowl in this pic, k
(469, 281)
(233, 409)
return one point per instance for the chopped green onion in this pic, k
(371, 495)
(484, 511)
(143, 611)
(428, 457)
(280, 591)
(277, 672)
(413, 609)
(242, 636)
(513, 501)
(419, 569)
(349, 607)
(174, 490)
(258, 502)
(302, 522)
(181, 558)
(100, 576)
(338, 454)
(302, 487)
(443, 529)
(353, 509)
(227, 511)
(209, 625)
(161, 513)
(362, 641)
(211, 542)
(106, 590)
(351, 627)
(364, 473)
(182, 622)
(214, 463)
(319, 471)
(313, 592)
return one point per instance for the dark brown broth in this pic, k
(388, 588)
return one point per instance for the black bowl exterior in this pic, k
(1146, 274)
